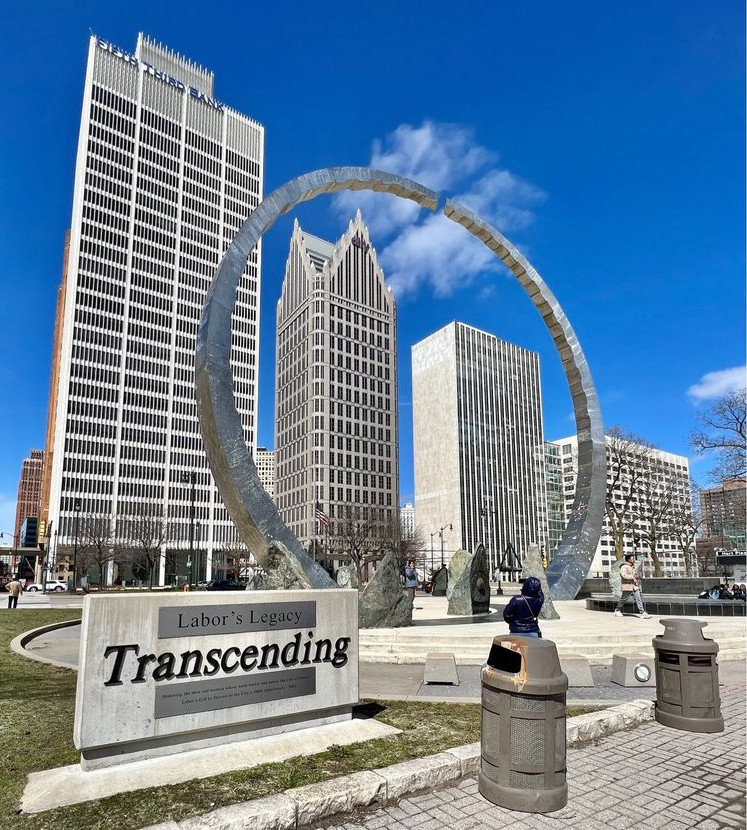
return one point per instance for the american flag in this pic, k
(321, 516)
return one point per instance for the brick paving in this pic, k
(650, 777)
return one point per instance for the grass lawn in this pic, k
(37, 704)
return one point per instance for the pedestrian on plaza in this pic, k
(411, 577)
(15, 589)
(522, 612)
(631, 586)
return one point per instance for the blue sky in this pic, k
(607, 140)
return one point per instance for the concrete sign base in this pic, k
(63, 786)
(163, 674)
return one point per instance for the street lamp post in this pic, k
(46, 548)
(191, 478)
(198, 536)
(76, 506)
(441, 534)
(432, 535)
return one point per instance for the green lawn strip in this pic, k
(36, 717)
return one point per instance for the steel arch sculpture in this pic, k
(253, 512)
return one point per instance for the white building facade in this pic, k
(165, 176)
(336, 389)
(407, 520)
(478, 446)
(664, 475)
(264, 460)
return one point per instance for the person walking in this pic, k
(411, 577)
(521, 612)
(631, 586)
(15, 589)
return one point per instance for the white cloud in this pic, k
(719, 383)
(417, 247)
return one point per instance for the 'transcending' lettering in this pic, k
(136, 667)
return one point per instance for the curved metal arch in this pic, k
(253, 512)
(575, 553)
(251, 509)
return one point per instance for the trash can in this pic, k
(687, 677)
(523, 740)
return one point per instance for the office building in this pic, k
(29, 493)
(407, 520)
(336, 390)
(264, 460)
(555, 499)
(723, 514)
(478, 446)
(165, 175)
(47, 531)
(642, 482)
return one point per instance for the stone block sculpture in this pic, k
(470, 593)
(384, 603)
(457, 564)
(282, 572)
(441, 581)
(347, 577)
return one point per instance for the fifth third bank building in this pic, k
(164, 177)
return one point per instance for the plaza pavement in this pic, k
(646, 777)
(650, 777)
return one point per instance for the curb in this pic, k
(303, 805)
(18, 644)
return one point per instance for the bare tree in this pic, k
(628, 455)
(354, 536)
(145, 528)
(387, 535)
(653, 508)
(707, 550)
(724, 431)
(234, 560)
(684, 524)
(97, 546)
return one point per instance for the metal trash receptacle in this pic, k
(687, 677)
(523, 739)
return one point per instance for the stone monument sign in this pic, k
(159, 674)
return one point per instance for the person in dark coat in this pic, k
(411, 577)
(521, 612)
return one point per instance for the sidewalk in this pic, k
(648, 777)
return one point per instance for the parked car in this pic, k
(52, 585)
(225, 585)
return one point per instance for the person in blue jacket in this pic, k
(521, 612)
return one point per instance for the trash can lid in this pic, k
(683, 631)
(525, 664)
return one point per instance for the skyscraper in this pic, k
(556, 520)
(723, 512)
(165, 176)
(29, 491)
(407, 520)
(336, 388)
(478, 446)
(264, 459)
